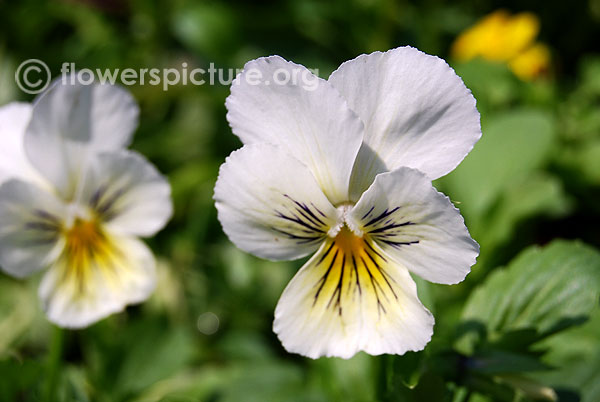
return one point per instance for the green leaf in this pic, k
(502, 183)
(206, 28)
(73, 385)
(493, 362)
(20, 380)
(267, 381)
(354, 379)
(156, 355)
(590, 75)
(8, 87)
(406, 369)
(584, 160)
(536, 194)
(513, 145)
(545, 289)
(576, 355)
(17, 312)
(493, 84)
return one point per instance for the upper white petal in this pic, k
(127, 192)
(416, 225)
(306, 116)
(417, 113)
(70, 120)
(14, 118)
(104, 115)
(30, 226)
(270, 204)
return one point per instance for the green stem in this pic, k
(53, 364)
(385, 371)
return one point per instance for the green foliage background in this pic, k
(525, 325)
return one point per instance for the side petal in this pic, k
(415, 225)
(68, 118)
(14, 118)
(30, 228)
(127, 193)
(350, 297)
(417, 113)
(270, 205)
(303, 114)
(84, 286)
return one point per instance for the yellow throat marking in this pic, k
(86, 249)
(350, 266)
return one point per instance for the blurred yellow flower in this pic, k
(504, 38)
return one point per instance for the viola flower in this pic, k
(343, 169)
(500, 37)
(74, 200)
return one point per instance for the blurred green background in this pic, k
(525, 325)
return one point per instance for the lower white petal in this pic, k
(97, 274)
(30, 226)
(416, 225)
(350, 297)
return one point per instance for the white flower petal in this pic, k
(416, 225)
(88, 284)
(417, 113)
(350, 297)
(306, 116)
(102, 114)
(71, 120)
(270, 205)
(30, 227)
(127, 193)
(14, 118)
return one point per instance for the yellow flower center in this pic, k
(351, 266)
(348, 242)
(82, 238)
(86, 246)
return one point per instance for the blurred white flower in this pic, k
(74, 200)
(345, 170)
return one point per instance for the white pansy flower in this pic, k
(344, 171)
(74, 200)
